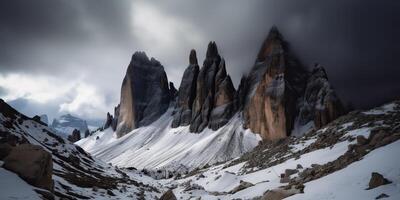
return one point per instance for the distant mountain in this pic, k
(66, 124)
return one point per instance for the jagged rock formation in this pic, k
(186, 94)
(271, 89)
(145, 95)
(207, 96)
(279, 93)
(109, 121)
(320, 102)
(75, 136)
(172, 91)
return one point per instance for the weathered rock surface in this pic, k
(279, 93)
(272, 89)
(169, 195)
(109, 121)
(186, 94)
(32, 163)
(214, 103)
(75, 136)
(206, 97)
(145, 94)
(320, 102)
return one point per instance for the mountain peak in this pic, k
(212, 50)
(274, 41)
(193, 57)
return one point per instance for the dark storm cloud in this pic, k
(357, 41)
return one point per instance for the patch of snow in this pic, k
(158, 146)
(351, 182)
(13, 187)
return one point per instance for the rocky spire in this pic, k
(272, 88)
(186, 94)
(320, 102)
(145, 94)
(213, 104)
(279, 94)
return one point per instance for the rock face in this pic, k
(272, 89)
(145, 95)
(32, 163)
(214, 102)
(279, 93)
(75, 136)
(206, 97)
(320, 102)
(187, 93)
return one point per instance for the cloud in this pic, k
(61, 45)
(54, 96)
(87, 102)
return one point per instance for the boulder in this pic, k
(145, 94)
(32, 163)
(289, 172)
(169, 195)
(279, 194)
(243, 185)
(377, 180)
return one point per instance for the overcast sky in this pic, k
(70, 56)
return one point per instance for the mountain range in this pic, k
(283, 133)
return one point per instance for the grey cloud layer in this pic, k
(357, 41)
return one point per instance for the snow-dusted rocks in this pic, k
(145, 94)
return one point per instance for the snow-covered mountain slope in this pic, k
(335, 162)
(65, 125)
(76, 174)
(158, 146)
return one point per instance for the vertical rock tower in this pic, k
(145, 94)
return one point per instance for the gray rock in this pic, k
(32, 163)
(377, 180)
(187, 93)
(169, 195)
(320, 102)
(145, 94)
